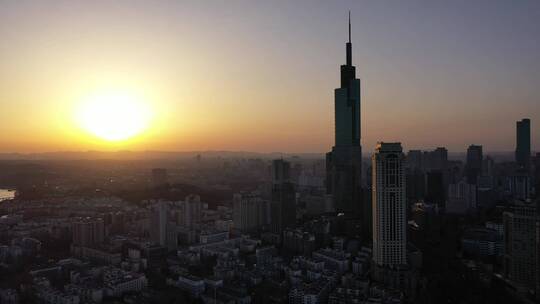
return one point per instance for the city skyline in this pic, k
(472, 79)
(169, 191)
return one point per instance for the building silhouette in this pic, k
(88, 232)
(473, 168)
(283, 201)
(523, 143)
(344, 162)
(190, 211)
(461, 198)
(158, 223)
(248, 211)
(521, 240)
(389, 206)
(435, 192)
(537, 174)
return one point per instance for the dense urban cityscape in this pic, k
(359, 225)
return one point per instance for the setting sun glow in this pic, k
(113, 117)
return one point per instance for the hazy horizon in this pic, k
(157, 155)
(258, 76)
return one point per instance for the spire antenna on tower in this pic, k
(349, 26)
(349, 50)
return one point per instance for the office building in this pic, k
(158, 223)
(283, 201)
(416, 184)
(88, 232)
(482, 242)
(389, 206)
(473, 167)
(248, 211)
(537, 175)
(520, 185)
(521, 245)
(344, 162)
(523, 144)
(435, 187)
(461, 198)
(190, 211)
(435, 160)
(414, 160)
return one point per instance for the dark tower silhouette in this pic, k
(473, 168)
(283, 204)
(344, 162)
(537, 176)
(523, 144)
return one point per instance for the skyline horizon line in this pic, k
(217, 151)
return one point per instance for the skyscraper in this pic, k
(537, 174)
(191, 210)
(158, 223)
(473, 168)
(389, 206)
(344, 162)
(523, 143)
(248, 212)
(461, 198)
(283, 204)
(435, 187)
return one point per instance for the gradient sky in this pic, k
(260, 75)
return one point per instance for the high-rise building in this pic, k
(283, 202)
(439, 158)
(436, 159)
(416, 184)
(488, 166)
(190, 211)
(461, 198)
(537, 175)
(521, 244)
(344, 162)
(520, 185)
(435, 187)
(158, 223)
(88, 232)
(523, 143)
(473, 168)
(414, 160)
(389, 206)
(248, 211)
(428, 160)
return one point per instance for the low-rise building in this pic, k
(192, 284)
(117, 282)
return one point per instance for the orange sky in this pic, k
(255, 77)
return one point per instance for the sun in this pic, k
(114, 116)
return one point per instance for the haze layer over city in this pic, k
(346, 152)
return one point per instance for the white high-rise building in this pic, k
(389, 206)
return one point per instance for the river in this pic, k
(6, 194)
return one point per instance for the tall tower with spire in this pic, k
(344, 162)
